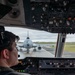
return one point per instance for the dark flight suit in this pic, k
(9, 71)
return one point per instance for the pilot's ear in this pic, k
(5, 53)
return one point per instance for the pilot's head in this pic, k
(8, 50)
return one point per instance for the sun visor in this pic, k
(4, 9)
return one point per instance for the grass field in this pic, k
(69, 47)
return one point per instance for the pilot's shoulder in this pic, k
(17, 73)
(24, 74)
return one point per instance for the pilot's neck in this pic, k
(3, 63)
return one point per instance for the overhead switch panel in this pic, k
(57, 16)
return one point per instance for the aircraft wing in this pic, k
(34, 45)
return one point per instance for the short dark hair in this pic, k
(6, 40)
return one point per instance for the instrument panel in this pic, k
(57, 16)
(46, 66)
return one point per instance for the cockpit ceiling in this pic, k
(56, 16)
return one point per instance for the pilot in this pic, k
(8, 53)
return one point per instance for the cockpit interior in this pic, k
(51, 16)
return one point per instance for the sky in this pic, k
(37, 35)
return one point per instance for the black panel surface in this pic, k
(57, 16)
(46, 66)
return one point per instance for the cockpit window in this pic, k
(39, 40)
(69, 47)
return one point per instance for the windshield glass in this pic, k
(43, 39)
